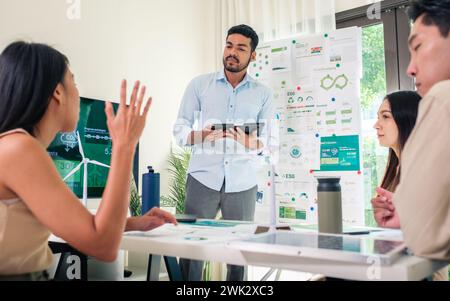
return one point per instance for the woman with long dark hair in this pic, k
(396, 120)
(38, 99)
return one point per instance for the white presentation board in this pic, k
(316, 84)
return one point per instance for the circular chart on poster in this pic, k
(296, 152)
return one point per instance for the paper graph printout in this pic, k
(316, 87)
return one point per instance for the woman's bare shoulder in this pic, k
(19, 146)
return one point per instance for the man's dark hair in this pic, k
(29, 74)
(247, 32)
(435, 12)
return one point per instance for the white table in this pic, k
(211, 245)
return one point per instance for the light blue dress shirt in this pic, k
(211, 99)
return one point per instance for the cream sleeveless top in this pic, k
(23, 239)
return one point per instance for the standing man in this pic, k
(222, 172)
(422, 200)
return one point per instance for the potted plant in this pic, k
(178, 168)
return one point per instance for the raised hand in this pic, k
(127, 125)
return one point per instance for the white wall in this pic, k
(164, 43)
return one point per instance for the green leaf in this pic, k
(178, 167)
(135, 199)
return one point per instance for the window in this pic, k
(385, 60)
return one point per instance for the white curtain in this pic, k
(276, 19)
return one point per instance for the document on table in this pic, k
(197, 233)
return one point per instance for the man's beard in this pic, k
(236, 69)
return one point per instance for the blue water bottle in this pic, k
(150, 190)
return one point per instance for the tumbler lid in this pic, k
(328, 184)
